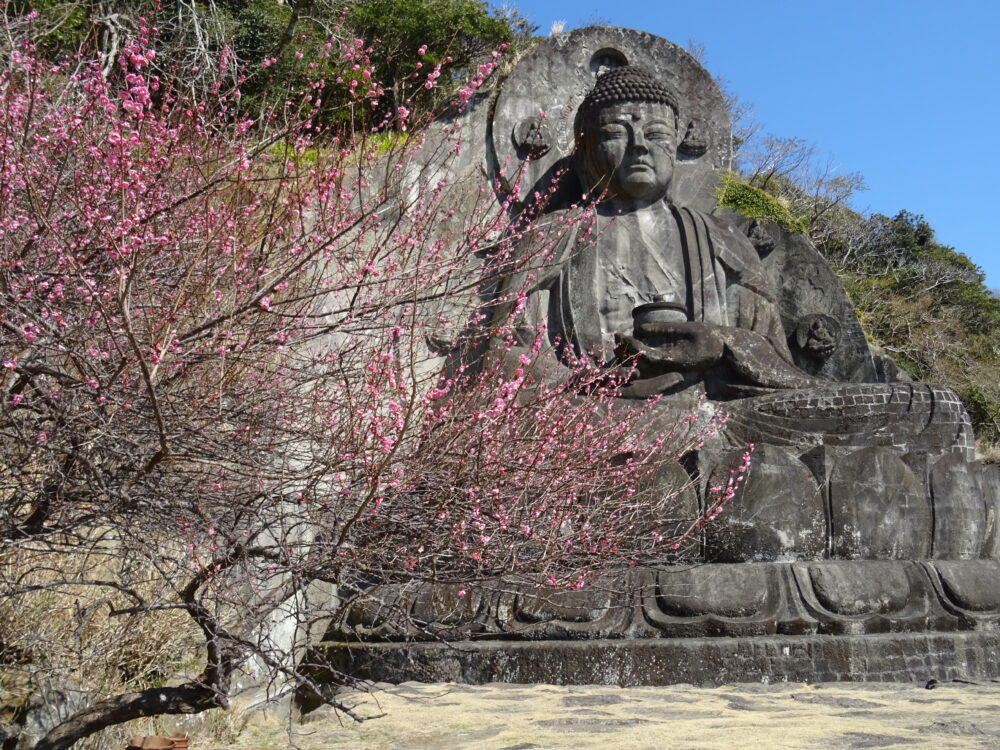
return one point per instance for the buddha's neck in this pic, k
(620, 206)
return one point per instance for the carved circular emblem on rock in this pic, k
(531, 137)
(696, 139)
(816, 336)
(759, 236)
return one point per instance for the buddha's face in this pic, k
(628, 150)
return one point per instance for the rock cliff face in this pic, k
(865, 516)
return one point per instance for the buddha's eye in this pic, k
(612, 132)
(659, 134)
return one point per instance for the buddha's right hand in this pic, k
(685, 346)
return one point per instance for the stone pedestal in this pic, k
(806, 621)
(834, 564)
(896, 657)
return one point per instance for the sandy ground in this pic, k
(444, 716)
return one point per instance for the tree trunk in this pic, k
(191, 698)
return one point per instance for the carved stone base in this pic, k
(824, 597)
(889, 657)
(837, 563)
(815, 621)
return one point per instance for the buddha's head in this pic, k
(626, 130)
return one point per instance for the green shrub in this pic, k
(756, 203)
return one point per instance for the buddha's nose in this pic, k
(639, 144)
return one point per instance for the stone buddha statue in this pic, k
(682, 300)
(864, 511)
(671, 289)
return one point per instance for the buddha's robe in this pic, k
(582, 304)
(586, 297)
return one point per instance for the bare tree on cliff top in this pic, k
(215, 391)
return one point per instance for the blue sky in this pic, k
(907, 92)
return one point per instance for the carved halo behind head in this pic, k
(532, 124)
